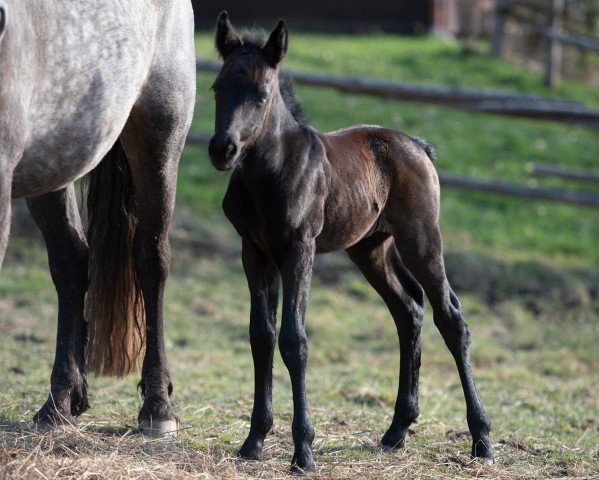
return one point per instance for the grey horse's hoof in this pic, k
(43, 427)
(162, 428)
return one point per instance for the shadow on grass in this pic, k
(113, 430)
(540, 285)
(9, 425)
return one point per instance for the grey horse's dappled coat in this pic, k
(81, 82)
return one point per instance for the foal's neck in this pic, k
(269, 148)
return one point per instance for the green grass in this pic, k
(526, 273)
(472, 144)
(534, 372)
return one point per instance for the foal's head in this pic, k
(244, 90)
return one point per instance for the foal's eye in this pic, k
(263, 98)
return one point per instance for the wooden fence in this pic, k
(519, 105)
(511, 104)
(550, 29)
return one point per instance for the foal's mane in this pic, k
(254, 39)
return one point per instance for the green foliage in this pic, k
(473, 144)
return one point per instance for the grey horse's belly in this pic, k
(70, 137)
(43, 169)
(88, 76)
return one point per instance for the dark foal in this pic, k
(295, 192)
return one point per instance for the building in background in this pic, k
(400, 16)
(444, 17)
(461, 18)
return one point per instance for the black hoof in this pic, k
(303, 464)
(299, 471)
(49, 416)
(251, 449)
(394, 439)
(483, 450)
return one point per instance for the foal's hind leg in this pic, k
(420, 246)
(57, 216)
(263, 282)
(379, 261)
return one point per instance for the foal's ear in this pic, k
(276, 46)
(227, 39)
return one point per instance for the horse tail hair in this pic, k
(114, 304)
(427, 146)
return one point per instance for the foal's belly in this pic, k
(347, 219)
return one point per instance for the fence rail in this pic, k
(565, 173)
(576, 40)
(510, 104)
(549, 27)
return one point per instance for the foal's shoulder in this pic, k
(237, 201)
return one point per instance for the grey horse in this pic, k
(105, 88)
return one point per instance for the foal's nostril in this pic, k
(222, 151)
(231, 151)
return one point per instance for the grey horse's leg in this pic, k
(380, 263)
(5, 198)
(153, 139)
(57, 216)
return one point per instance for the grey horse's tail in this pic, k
(114, 304)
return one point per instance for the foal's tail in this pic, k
(114, 304)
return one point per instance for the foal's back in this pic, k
(376, 176)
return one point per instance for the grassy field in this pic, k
(526, 273)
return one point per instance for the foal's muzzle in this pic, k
(224, 152)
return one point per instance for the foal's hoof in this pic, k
(303, 465)
(482, 451)
(392, 445)
(299, 471)
(161, 428)
(251, 450)
(394, 440)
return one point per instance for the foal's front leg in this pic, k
(296, 272)
(263, 282)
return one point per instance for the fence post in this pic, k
(501, 9)
(553, 52)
